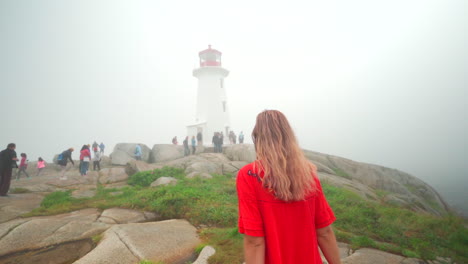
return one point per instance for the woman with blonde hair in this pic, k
(283, 213)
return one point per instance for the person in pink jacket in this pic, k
(85, 158)
(23, 166)
(40, 166)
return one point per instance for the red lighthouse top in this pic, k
(210, 57)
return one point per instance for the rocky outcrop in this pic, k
(135, 166)
(170, 241)
(125, 216)
(166, 152)
(164, 181)
(366, 179)
(124, 152)
(111, 175)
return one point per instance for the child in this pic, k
(40, 166)
(97, 160)
(23, 166)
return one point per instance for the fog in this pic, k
(372, 81)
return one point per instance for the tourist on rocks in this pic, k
(174, 140)
(7, 163)
(194, 144)
(97, 161)
(66, 155)
(186, 147)
(283, 213)
(138, 152)
(234, 137)
(241, 137)
(101, 148)
(23, 166)
(200, 139)
(40, 166)
(215, 141)
(85, 158)
(231, 137)
(95, 147)
(221, 142)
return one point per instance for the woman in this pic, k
(283, 213)
(85, 158)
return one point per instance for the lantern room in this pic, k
(210, 57)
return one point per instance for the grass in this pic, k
(212, 203)
(19, 190)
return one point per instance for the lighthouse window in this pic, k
(224, 106)
(221, 83)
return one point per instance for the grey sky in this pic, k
(373, 81)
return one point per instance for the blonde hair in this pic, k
(287, 172)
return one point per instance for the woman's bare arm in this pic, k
(327, 243)
(254, 249)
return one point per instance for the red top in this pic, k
(289, 228)
(85, 153)
(23, 162)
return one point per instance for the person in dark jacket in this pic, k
(186, 147)
(66, 155)
(7, 163)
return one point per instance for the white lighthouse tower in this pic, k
(212, 113)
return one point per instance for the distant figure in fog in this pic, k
(97, 161)
(194, 143)
(186, 147)
(85, 158)
(63, 162)
(241, 137)
(101, 148)
(23, 166)
(174, 140)
(283, 213)
(7, 163)
(40, 166)
(200, 138)
(95, 147)
(138, 152)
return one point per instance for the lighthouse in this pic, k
(212, 112)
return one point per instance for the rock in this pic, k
(112, 175)
(207, 252)
(372, 256)
(105, 161)
(404, 187)
(240, 152)
(125, 216)
(205, 167)
(32, 234)
(233, 167)
(85, 193)
(170, 241)
(17, 204)
(164, 181)
(166, 152)
(202, 175)
(134, 166)
(124, 152)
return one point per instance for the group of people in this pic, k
(85, 159)
(233, 137)
(186, 145)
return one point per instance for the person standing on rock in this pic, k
(283, 213)
(23, 166)
(215, 142)
(95, 147)
(85, 158)
(7, 163)
(241, 137)
(186, 147)
(97, 161)
(200, 139)
(174, 140)
(194, 144)
(40, 166)
(66, 155)
(221, 142)
(101, 148)
(138, 152)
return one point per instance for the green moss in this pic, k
(341, 173)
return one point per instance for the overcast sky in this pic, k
(381, 82)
